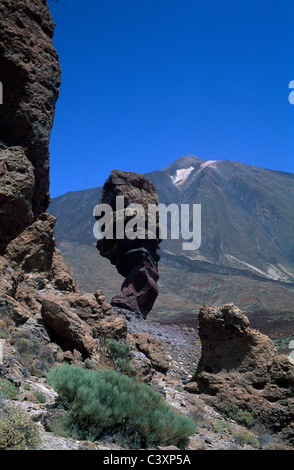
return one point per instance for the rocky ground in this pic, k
(45, 319)
(183, 350)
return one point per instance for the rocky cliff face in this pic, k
(240, 365)
(30, 75)
(38, 292)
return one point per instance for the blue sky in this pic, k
(147, 81)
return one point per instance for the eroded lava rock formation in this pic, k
(241, 365)
(135, 259)
(30, 75)
(38, 292)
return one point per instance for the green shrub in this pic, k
(230, 409)
(40, 397)
(116, 349)
(35, 357)
(26, 386)
(121, 355)
(108, 401)
(4, 334)
(17, 431)
(245, 438)
(221, 426)
(7, 389)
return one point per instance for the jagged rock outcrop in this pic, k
(242, 365)
(30, 75)
(37, 286)
(135, 259)
(38, 292)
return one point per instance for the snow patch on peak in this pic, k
(211, 163)
(181, 175)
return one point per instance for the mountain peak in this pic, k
(184, 162)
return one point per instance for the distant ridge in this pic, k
(247, 223)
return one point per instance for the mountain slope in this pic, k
(247, 248)
(247, 214)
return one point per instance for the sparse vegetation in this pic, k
(220, 425)
(199, 417)
(246, 438)
(8, 389)
(26, 386)
(4, 333)
(17, 430)
(35, 356)
(121, 355)
(231, 410)
(109, 401)
(40, 397)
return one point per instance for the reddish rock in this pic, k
(135, 259)
(13, 311)
(33, 249)
(68, 327)
(111, 327)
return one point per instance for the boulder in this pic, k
(241, 366)
(69, 328)
(153, 350)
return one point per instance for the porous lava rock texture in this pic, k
(30, 76)
(240, 365)
(136, 259)
(38, 291)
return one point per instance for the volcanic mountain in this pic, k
(246, 254)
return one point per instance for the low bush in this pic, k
(245, 438)
(8, 390)
(17, 430)
(121, 356)
(35, 357)
(108, 401)
(40, 397)
(230, 409)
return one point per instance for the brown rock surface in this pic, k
(17, 183)
(38, 292)
(153, 350)
(66, 324)
(30, 75)
(135, 259)
(38, 285)
(241, 365)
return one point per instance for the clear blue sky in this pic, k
(147, 81)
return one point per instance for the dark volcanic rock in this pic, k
(240, 365)
(38, 291)
(135, 259)
(30, 75)
(17, 184)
